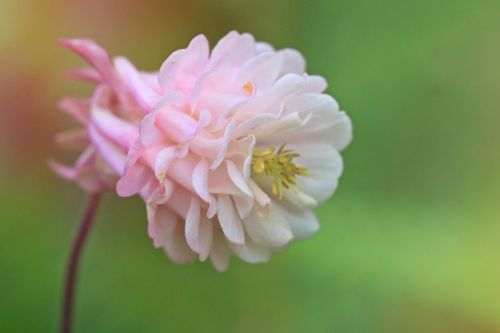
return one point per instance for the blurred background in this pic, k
(409, 243)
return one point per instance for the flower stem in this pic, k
(73, 260)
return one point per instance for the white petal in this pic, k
(293, 62)
(229, 220)
(176, 247)
(250, 125)
(251, 252)
(261, 70)
(219, 254)
(238, 180)
(263, 47)
(192, 224)
(326, 124)
(233, 48)
(205, 238)
(285, 125)
(212, 207)
(244, 201)
(161, 224)
(271, 230)
(227, 139)
(262, 200)
(200, 180)
(325, 166)
(271, 99)
(303, 222)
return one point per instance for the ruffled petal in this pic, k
(192, 59)
(326, 124)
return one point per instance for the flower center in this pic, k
(278, 163)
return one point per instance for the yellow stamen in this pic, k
(278, 163)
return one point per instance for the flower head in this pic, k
(235, 149)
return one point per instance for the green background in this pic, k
(409, 243)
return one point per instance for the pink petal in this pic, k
(176, 125)
(133, 181)
(163, 160)
(114, 128)
(111, 153)
(75, 138)
(143, 94)
(63, 171)
(77, 107)
(84, 74)
(192, 59)
(94, 55)
(148, 132)
(161, 194)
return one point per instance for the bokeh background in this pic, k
(409, 243)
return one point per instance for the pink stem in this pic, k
(74, 258)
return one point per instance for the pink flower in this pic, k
(236, 148)
(109, 118)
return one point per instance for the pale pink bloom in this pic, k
(239, 147)
(109, 119)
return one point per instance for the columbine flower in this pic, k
(109, 118)
(239, 146)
